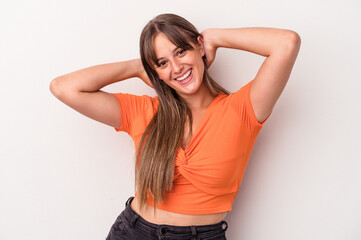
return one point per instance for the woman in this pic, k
(194, 139)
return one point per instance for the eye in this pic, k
(182, 51)
(161, 64)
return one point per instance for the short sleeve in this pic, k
(133, 109)
(241, 100)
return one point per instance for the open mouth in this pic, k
(185, 76)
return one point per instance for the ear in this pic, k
(200, 45)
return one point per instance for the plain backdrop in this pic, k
(65, 176)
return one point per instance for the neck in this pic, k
(199, 100)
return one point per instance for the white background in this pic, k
(64, 176)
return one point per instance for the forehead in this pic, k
(163, 46)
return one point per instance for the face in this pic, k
(180, 69)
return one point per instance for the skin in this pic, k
(174, 63)
(280, 47)
(80, 90)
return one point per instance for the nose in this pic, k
(176, 66)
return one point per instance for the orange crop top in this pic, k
(209, 171)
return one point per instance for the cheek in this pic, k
(200, 64)
(198, 61)
(163, 74)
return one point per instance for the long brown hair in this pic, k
(155, 156)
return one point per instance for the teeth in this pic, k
(184, 76)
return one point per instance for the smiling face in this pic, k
(179, 68)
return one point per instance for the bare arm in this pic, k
(279, 46)
(80, 89)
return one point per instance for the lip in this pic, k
(189, 79)
(182, 74)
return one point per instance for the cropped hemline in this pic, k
(195, 211)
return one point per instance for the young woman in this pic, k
(194, 139)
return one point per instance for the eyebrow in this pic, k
(174, 50)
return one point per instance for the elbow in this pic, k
(56, 87)
(53, 86)
(289, 42)
(293, 41)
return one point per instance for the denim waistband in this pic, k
(134, 218)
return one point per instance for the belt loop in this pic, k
(161, 232)
(128, 201)
(224, 225)
(133, 220)
(194, 232)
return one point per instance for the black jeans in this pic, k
(129, 225)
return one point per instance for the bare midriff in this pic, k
(176, 219)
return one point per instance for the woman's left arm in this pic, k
(279, 46)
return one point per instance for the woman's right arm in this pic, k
(80, 90)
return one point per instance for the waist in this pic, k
(189, 200)
(175, 219)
